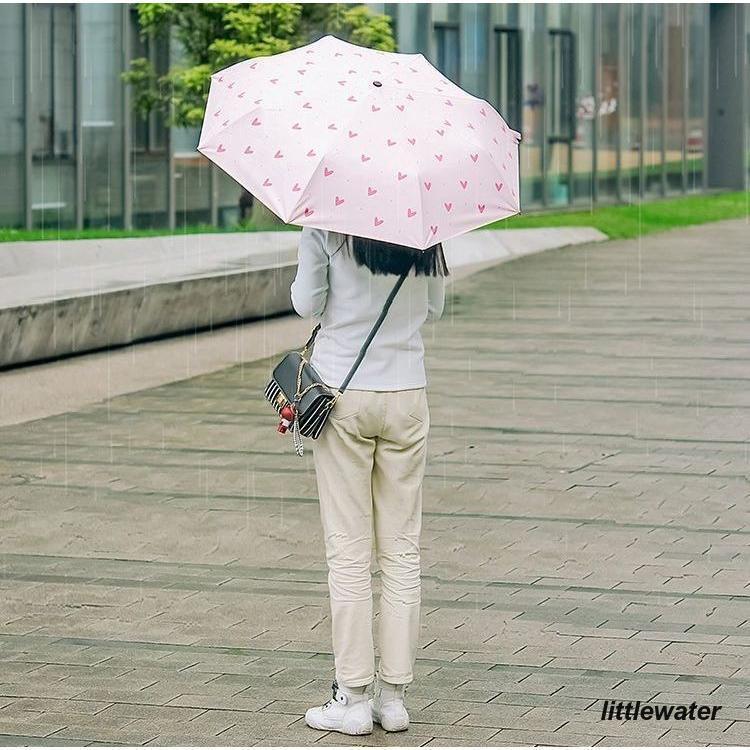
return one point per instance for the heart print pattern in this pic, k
(362, 142)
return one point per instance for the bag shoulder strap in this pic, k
(310, 341)
(370, 335)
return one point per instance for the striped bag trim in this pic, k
(311, 423)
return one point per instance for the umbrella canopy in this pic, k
(377, 144)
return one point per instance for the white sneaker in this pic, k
(346, 712)
(388, 709)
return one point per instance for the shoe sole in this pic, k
(340, 731)
(377, 720)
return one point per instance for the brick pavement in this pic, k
(585, 536)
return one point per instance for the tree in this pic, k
(215, 35)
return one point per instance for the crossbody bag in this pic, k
(297, 393)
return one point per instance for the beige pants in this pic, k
(369, 461)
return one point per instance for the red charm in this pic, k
(287, 417)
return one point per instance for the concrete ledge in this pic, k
(60, 298)
(114, 317)
(486, 248)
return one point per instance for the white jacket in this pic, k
(347, 299)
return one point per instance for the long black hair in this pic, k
(388, 258)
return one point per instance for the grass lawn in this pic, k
(49, 233)
(616, 221)
(620, 221)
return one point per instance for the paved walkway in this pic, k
(73, 383)
(585, 536)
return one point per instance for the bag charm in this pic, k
(287, 417)
(300, 398)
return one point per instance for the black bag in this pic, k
(296, 386)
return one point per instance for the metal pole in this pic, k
(77, 114)
(27, 84)
(127, 197)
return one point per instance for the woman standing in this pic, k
(370, 460)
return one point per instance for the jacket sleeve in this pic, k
(310, 285)
(435, 296)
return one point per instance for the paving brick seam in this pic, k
(124, 494)
(600, 464)
(238, 574)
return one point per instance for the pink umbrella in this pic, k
(364, 142)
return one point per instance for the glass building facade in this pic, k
(613, 101)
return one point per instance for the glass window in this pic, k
(52, 125)
(12, 200)
(391, 10)
(508, 75)
(696, 95)
(609, 101)
(192, 179)
(630, 116)
(531, 23)
(569, 101)
(653, 136)
(582, 25)
(504, 14)
(560, 103)
(149, 171)
(101, 114)
(560, 114)
(570, 140)
(234, 202)
(474, 48)
(448, 48)
(411, 24)
(676, 91)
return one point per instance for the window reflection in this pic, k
(52, 122)
(149, 159)
(696, 95)
(609, 101)
(631, 111)
(12, 203)
(447, 42)
(653, 139)
(101, 114)
(622, 88)
(676, 85)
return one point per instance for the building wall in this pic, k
(612, 101)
